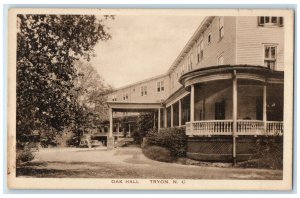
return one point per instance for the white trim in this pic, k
(177, 99)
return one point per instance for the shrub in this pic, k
(173, 139)
(25, 154)
(144, 123)
(269, 153)
(158, 153)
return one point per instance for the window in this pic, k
(270, 55)
(182, 69)
(201, 50)
(143, 90)
(190, 62)
(209, 38)
(220, 60)
(268, 21)
(221, 27)
(125, 96)
(198, 53)
(160, 86)
(114, 98)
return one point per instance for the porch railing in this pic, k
(225, 127)
(209, 127)
(250, 127)
(274, 128)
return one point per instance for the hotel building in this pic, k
(225, 87)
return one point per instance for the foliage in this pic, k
(269, 153)
(172, 138)
(158, 153)
(47, 48)
(24, 152)
(144, 125)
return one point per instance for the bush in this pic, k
(144, 123)
(173, 139)
(25, 154)
(269, 153)
(158, 153)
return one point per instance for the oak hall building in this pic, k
(225, 87)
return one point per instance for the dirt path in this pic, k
(127, 163)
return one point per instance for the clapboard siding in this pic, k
(134, 91)
(243, 43)
(251, 39)
(212, 50)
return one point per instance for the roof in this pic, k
(202, 27)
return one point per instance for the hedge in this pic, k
(173, 139)
(158, 153)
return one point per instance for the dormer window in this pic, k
(270, 21)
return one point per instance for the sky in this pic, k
(142, 46)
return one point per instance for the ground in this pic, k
(126, 162)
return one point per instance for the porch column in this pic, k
(172, 114)
(265, 107)
(110, 122)
(110, 138)
(118, 128)
(192, 102)
(165, 117)
(179, 112)
(234, 116)
(154, 123)
(129, 130)
(158, 124)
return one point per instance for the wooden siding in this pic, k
(214, 49)
(251, 38)
(243, 43)
(134, 91)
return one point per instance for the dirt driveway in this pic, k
(127, 162)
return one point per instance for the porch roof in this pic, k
(225, 72)
(134, 106)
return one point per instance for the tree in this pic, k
(47, 46)
(145, 123)
(90, 91)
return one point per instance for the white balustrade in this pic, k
(209, 127)
(274, 128)
(224, 127)
(250, 127)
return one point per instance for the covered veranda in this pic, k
(135, 107)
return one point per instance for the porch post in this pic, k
(265, 107)
(192, 102)
(118, 130)
(110, 138)
(154, 123)
(234, 116)
(158, 124)
(129, 130)
(110, 122)
(165, 117)
(179, 112)
(172, 114)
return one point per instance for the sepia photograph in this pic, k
(190, 99)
